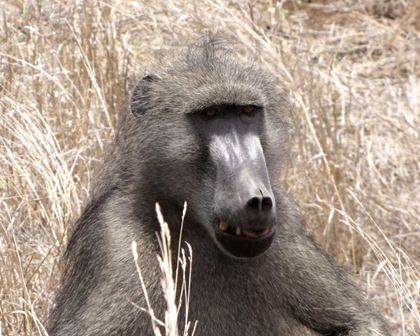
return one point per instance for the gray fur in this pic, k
(292, 289)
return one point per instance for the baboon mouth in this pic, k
(237, 231)
(244, 243)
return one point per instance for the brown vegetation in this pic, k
(354, 68)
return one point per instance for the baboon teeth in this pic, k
(223, 226)
(249, 233)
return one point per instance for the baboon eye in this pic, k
(210, 112)
(248, 109)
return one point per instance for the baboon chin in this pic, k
(208, 125)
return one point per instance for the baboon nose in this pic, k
(259, 203)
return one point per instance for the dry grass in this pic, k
(171, 291)
(354, 67)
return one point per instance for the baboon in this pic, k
(207, 125)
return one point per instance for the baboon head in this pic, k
(209, 129)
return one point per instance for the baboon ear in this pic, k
(140, 93)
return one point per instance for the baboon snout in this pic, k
(243, 197)
(244, 202)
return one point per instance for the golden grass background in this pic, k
(353, 66)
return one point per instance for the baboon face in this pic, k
(212, 145)
(243, 202)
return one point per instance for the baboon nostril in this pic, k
(258, 203)
(254, 203)
(267, 203)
